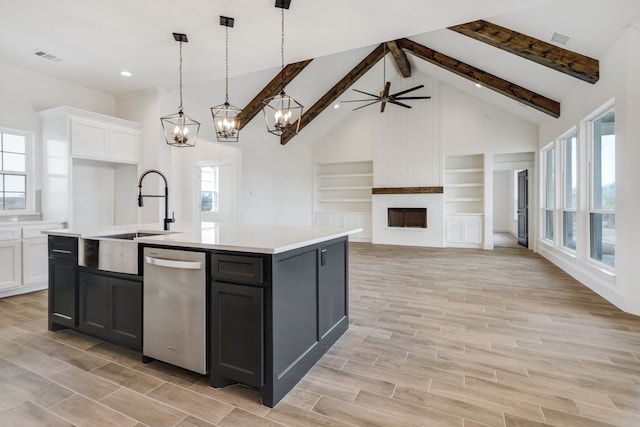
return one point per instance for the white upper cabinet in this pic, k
(88, 138)
(124, 144)
(104, 141)
(91, 135)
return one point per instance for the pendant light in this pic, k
(226, 117)
(179, 129)
(281, 111)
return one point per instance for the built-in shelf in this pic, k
(464, 200)
(343, 196)
(343, 188)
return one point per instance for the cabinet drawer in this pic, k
(236, 268)
(9, 233)
(34, 231)
(63, 247)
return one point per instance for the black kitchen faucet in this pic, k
(166, 220)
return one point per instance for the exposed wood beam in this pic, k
(574, 64)
(272, 88)
(504, 87)
(338, 89)
(401, 58)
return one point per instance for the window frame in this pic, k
(591, 210)
(546, 210)
(30, 207)
(564, 209)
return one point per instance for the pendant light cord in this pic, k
(180, 70)
(282, 47)
(226, 69)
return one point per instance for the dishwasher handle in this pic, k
(170, 263)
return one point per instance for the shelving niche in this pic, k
(464, 200)
(343, 196)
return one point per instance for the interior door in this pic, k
(523, 208)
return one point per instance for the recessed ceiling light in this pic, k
(125, 73)
(336, 106)
(478, 85)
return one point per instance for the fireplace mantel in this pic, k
(407, 190)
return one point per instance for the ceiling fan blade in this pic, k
(366, 105)
(384, 104)
(411, 97)
(366, 93)
(407, 90)
(387, 86)
(359, 100)
(393, 101)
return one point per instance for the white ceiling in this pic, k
(97, 39)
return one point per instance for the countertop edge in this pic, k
(185, 239)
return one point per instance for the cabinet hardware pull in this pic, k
(170, 263)
(61, 251)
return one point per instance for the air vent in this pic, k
(45, 55)
(560, 39)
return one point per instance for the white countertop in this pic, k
(268, 239)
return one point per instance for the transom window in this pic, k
(14, 170)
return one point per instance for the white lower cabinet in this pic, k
(24, 265)
(348, 220)
(10, 263)
(463, 231)
(34, 260)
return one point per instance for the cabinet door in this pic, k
(10, 264)
(332, 289)
(34, 260)
(124, 145)
(62, 292)
(88, 138)
(93, 290)
(237, 333)
(125, 312)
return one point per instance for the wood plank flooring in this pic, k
(437, 337)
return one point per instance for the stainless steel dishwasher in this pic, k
(174, 317)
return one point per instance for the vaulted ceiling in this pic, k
(96, 40)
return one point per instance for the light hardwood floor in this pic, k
(438, 337)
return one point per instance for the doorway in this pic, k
(510, 198)
(216, 195)
(523, 208)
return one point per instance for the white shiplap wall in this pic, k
(407, 150)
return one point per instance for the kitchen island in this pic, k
(275, 298)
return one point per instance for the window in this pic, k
(570, 187)
(14, 170)
(549, 191)
(602, 224)
(209, 189)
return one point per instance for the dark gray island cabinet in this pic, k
(276, 297)
(273, 316)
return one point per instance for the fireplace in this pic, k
(407, 217)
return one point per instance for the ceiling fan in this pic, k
(384, 96)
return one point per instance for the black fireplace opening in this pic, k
(407, 217)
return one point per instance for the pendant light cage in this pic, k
(179, 129)
(226, 117)
(282, 113)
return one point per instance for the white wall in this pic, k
(618, 79)
(23, 94)
(408, 146)
(406, 142)
(276, 180)
(503, 201)
(273, 182)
